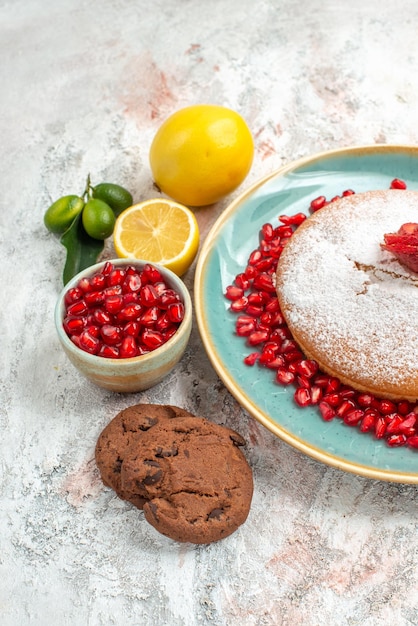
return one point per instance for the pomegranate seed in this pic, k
(347, 394)
(130, 298)
(167, 334)
(257, 337)
(293, 356)
(369, 420)
(316, 394)
(264, 281)
(167, 297)
(109, 352)
(266, 356)
(348, 192)
(253, 310)
(365, 399)
(284, 231)
(132, 283)
(404, 407)
(318, 203)
(232, 292)
(148, 295)
(240, 304)
(132, 328)
(116, 277)
(250, 272)
(353, 417)
(333, 399)
(77, 308)
(272, 306)
(74, 325)
(393, 424)
(245, 330)
(397, 183)
(244, 320)
(107, 268)
(345, 407)
(326, 411)
(73, 295)
(88, 342)
(296, 219)
(130, 312)
(252, 358)
(242, 282)
(93, 330)
(175, 312)
(407, 426)
(288, 345)
(280, 334)
(150, 316)
(284, 377)
(396, 440)
(151, 273)
(321, 380)
(386, 407)
(333, 385)
(98, 282)
(102, 317)
(85, 285)
(93, 298)
(112, 291)
(128, 348)
(267, 231)
(302, 381)
(302, 397)
(111, 334)
(163, 322)
(380, 427)
(152, 339)
(412, 441)
(276, 363)
(113, 304)
(308, 367)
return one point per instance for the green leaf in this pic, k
(82, 250)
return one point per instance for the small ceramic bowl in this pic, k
(129, 374)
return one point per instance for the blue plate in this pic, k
(225, 253)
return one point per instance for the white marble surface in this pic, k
(84, 87)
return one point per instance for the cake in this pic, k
(350, 304)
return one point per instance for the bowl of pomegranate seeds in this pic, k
(124, 324)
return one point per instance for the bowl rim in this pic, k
(175, 282)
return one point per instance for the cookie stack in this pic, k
(187, 473)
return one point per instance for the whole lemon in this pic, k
(201, 153)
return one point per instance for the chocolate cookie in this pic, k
(196, 482)
(128, 425)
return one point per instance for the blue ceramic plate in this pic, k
(224, 254)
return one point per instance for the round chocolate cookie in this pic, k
(196, 482)
(128, 425)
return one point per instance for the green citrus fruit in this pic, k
(117, 197)
(61, 214)
(98, 219)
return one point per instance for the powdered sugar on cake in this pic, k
(351, 305)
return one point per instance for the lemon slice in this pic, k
(160, 231)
